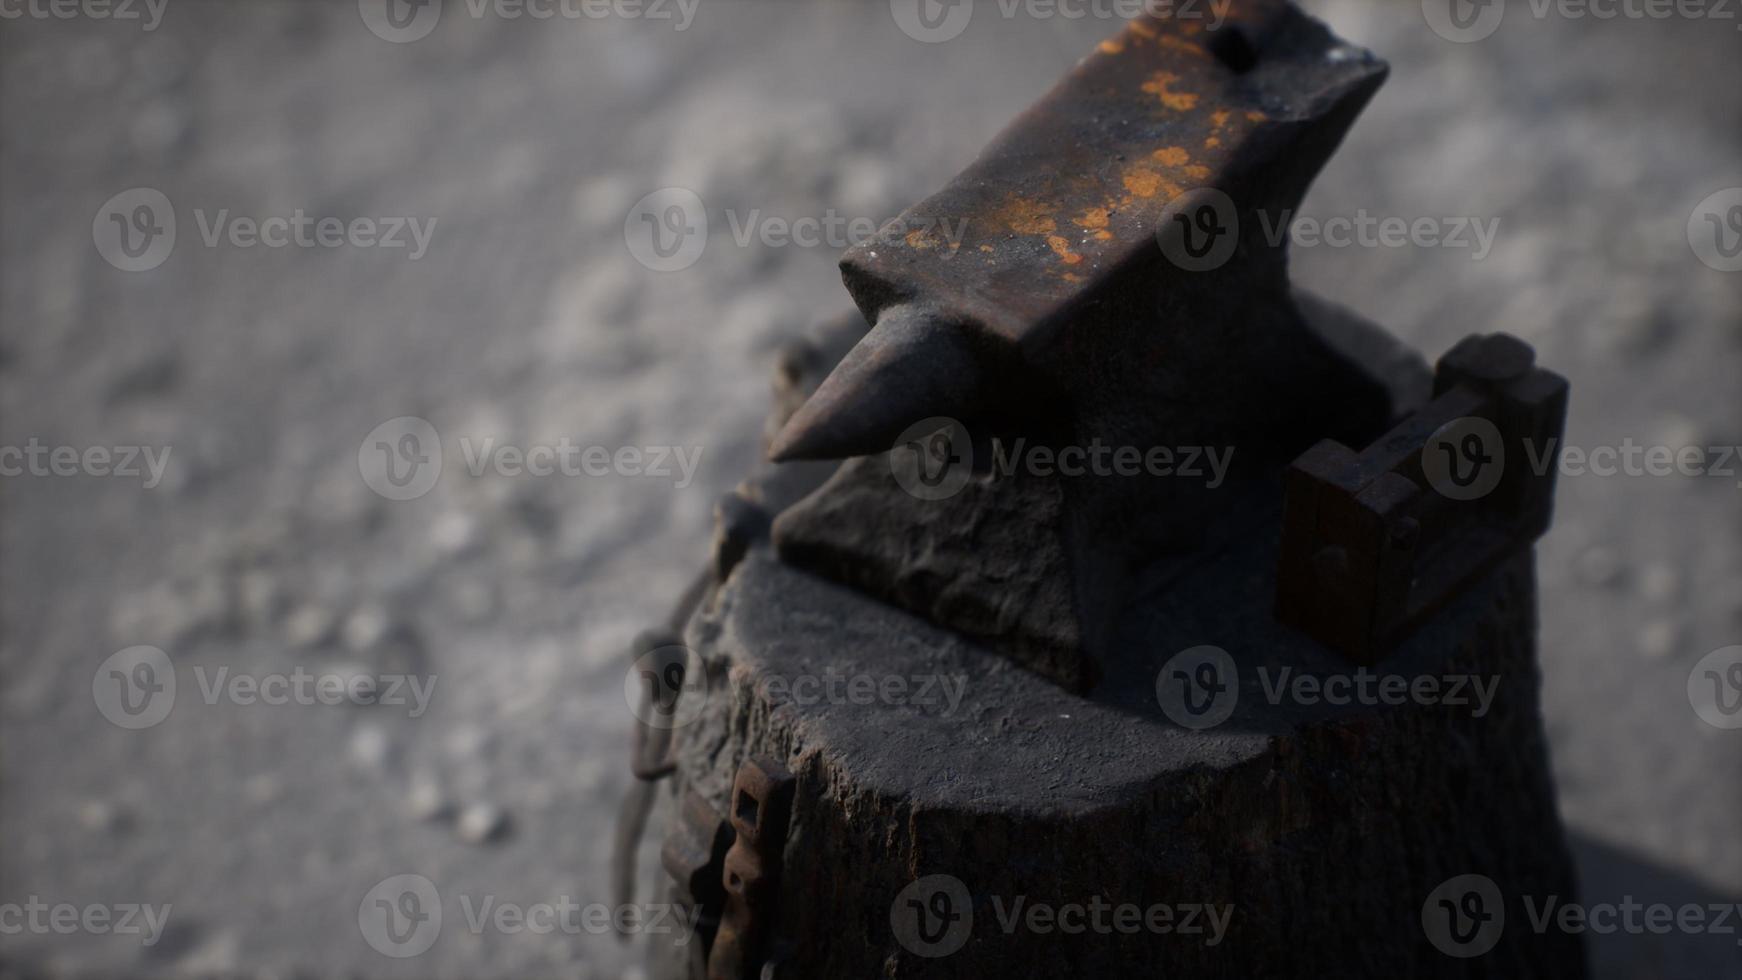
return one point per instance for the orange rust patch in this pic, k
(1094, 218)
(1142, 183)
(1072, 277)
(1183, 47)
(1195, 172)
(1112, 46)
(985, 248)
(1172, 156)
(1160, 86)
(1142, 28)
(1219, 118)
(1212, 142)
(1103, 235)
(1062, 249)
(1026, 217)
(1253, 115)
(917, 239)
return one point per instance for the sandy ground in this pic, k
(528, 320)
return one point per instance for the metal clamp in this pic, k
(1373, 543)
(761, 809)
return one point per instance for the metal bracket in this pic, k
(1374, 543)
(761, 811)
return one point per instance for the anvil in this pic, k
(1114, 285)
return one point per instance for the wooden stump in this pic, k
(943, 793)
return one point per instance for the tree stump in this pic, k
(956, 815)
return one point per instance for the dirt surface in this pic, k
(527, 319)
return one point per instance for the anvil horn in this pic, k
(906, 368)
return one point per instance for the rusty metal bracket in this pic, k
(761, 809)
(1373, 543)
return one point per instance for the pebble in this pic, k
(454, 533)
(370, 748)
(426, 801)
(1659, 583)
(1659, 639)
(481, 823)
(101, 817)
(308, 626)
(366, 627)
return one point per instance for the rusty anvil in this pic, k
(1112, 289)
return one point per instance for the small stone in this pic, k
(481, 823)
(1659, 583)
(1598, 566)
(101, 817)
(426, 801)
(370, 748)
(366, 627)
(454, 533)
(308, 626)
(1659, 639)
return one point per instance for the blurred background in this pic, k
(496, 271)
